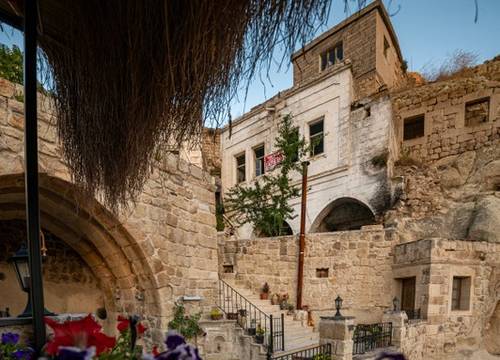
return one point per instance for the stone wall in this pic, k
(449, 331)
(146, 257)
(358, 263)
(362, 36)
(443, 103)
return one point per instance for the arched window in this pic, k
(343, 214)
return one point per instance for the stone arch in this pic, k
(345, 213)
(100, 238)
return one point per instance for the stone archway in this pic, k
(109, 250)
(343, 214)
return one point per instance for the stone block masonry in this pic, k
(460, 114)
(145, 258)
(358, 263)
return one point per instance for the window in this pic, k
(228, 269)
(316, 137)
(414, 127)
(332, 56)
(240, 168)
(460, 293)
(322, 272)
(386, 46)
(477, 112)
(259, 160)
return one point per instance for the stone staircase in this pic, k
(298, 335)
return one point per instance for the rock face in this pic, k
(485, 225)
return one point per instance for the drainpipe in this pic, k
(302, 236)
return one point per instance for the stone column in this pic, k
(338, 332)
(398, 320)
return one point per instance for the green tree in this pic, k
(11, 63)
(265, 203)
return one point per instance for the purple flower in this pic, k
(73, 353)
(177, 349)
(23, 354)
(174, 340)
(10, 338)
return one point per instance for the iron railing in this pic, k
(267, 330)
(413, 314)
(321, 352)
(368, 337)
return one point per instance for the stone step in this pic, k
(287, 352)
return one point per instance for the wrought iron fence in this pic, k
(321, 352)
(266, 329)
(413, 314)
(368, 337)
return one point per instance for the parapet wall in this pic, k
(353, 264)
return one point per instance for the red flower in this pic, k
(124, 325)
(155, 351)
(79, 333)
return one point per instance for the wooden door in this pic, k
(408, 294)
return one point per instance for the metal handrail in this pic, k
(307, 354)
(251, 318)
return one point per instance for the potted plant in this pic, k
(252, 328)
(216, 314)
(291, 309)
(259, 335)
(264, 294)
(284, 302)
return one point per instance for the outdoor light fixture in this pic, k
(338, 306)
(20, 262)
(395, 303)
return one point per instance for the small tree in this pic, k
(11, 63)
(265, 203)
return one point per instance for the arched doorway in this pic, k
(113, 256)
(343, 214)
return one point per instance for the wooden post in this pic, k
(31, 172)
(302, 236)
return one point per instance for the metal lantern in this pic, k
(338, 306)
(395, 303)
(20, 263)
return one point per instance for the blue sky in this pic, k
(428, 31)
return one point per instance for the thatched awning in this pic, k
(130, 75)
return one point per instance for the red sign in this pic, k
(272, 160)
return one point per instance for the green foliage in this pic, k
(265, 204)
(11, 63)
(405, 159)
(123, 349)
(186, 325)
(321, 357)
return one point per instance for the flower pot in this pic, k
(232, 316)
(264, 296)
(259, 339)
(216, 316)
(251, 331)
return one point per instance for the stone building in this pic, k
(141, 260)
(426, 256)
(354, 59)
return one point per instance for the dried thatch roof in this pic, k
(131, 74)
